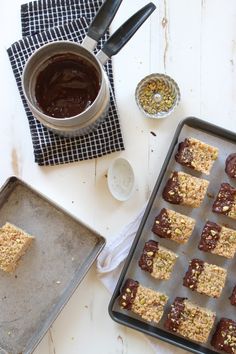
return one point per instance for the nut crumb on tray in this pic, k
(144, 302)
(230, 165)
(197, 155)
(189, 320)
(157, 260)
(13, 244)
(218, 240)
(224, 337)
(225, 202)
(184, 189)
(174, 226)
(233, 297)
(208, 279)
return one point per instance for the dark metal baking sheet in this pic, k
(225, 141)
(50, 271)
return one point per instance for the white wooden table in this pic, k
(192, 41)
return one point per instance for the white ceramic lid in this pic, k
(120, 179)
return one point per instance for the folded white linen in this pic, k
(110, 263)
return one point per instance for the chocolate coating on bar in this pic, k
(195, 268)
(162, 225)
(171, 190)
(230, 165)
(149, 251)
(184, 155)
(224, 337)
(173, 320)
(224, 199)
(128, 293)
(210, 236)
(233, 297)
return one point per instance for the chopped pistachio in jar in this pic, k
(156, 96)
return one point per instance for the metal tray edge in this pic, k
(33, 343)
(195, 123)
(168, 338)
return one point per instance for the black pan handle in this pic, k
(127, 30)
(103, 19)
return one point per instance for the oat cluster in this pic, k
(196, 322)
(149, 304)
(13, 244)
(211, 281)
(192, 189)
(163, 263)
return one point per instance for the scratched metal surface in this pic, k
(62, 252)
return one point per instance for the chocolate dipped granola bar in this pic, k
(157, 260)
(197, 155)
(218, 240)
(173, 225)
(208, 279)
(144, 302)
(225, 202)
(13, 244)
(189, 320)
(224, 337)
(184, 189)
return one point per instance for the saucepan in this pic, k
(48, 84)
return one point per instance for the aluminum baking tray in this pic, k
(62, 252)
(226, 142)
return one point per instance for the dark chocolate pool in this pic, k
(67, 85)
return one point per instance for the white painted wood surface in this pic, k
(192, 41)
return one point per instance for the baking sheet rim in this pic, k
(167, 337)
(73, 285)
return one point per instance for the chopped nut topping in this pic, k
(150, 253)
(153, 89)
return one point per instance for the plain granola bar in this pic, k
(173, 225)
(184, 189)
(145, 302)
(189, 320)
(13, 244)
(224, 337)
(208, 279)
(218, 240)
(157, 260)
(197, 155)
(225, 202)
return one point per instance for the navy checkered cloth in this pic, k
(44, 21)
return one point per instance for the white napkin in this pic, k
(110, 263)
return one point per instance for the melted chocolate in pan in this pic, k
(66, 86)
